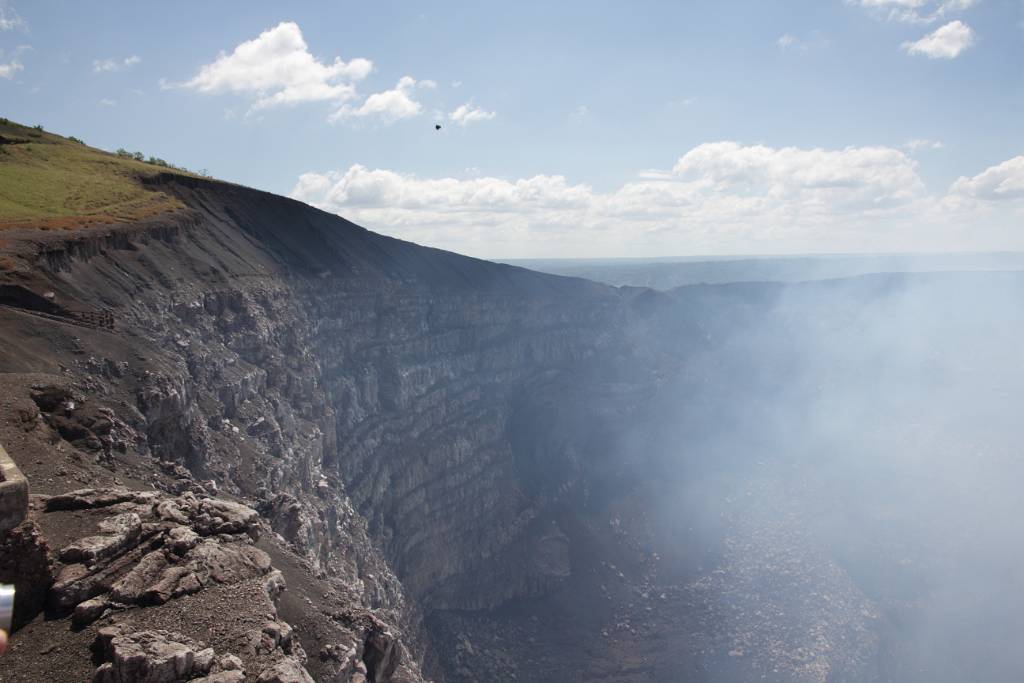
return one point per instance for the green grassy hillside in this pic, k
(52, 182)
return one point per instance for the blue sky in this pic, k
(571, 128)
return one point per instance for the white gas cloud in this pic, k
(106, 65)
(276, 68)
(468, 113)
(945, 42)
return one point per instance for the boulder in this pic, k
(221, 677)
(89, 498)
(288, 670)
(224, 517)
(119, 533)
(153, 548)
(150, 657)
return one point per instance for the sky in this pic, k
(569, 129)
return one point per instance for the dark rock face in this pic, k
(355, 387)
(357, 391)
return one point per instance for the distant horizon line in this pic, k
(756, 257)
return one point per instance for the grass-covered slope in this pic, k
(51, 182)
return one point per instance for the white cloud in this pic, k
(8, 70)
(389, 106)
(105, 65)
(717, 196)
(786, 40)
(107, 102)
(892, 4)
(945, 42)
(277, 68)
(682, 103)
(579, 114)
(957, 5)
(813, 40)
(910, 4)
(363, 187)
(467, 113)
(9, 19)
(920, 144)
(1002, 182)
(915, 11)
(863, 177)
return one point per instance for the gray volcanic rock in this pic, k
(90, 498)
(286, 671)
(222, 677)
(158, 656)
(143, 556)
(119, 533)
(150, 657)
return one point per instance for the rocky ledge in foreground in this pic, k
(163, 588)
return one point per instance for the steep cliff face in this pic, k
(360, 392)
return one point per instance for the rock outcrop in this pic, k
(149, 548)
(160, 657)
